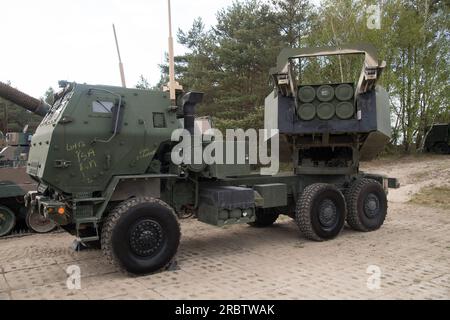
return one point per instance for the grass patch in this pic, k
(438, 197)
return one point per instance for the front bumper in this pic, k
(48, 208)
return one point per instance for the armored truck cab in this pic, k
(103, 158)
(95, 132)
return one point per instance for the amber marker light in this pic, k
(61, 211)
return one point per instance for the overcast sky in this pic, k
(49, 40)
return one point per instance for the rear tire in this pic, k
(367, 205)
(265, 218)
(7, 221)
(141, 236)
(320, 213)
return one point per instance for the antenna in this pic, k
(122, 73)
(173, 85)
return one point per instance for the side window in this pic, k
(102, 106)
(159, 121)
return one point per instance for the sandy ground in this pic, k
(409, 258)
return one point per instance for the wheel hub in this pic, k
(146, 238)
(328, 215)
(372, 206)
(39, 223)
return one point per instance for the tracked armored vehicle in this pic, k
(103, 159)
(15, 183)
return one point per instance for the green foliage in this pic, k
(253, 120)
(49, 96)
(230, 62)
(14, 118)
(143, 83)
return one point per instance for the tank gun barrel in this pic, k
(23, 100)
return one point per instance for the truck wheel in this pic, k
(320, 213)
(367, 205)
(265, 218)
(7, 221)
(38, 223)
(141, 236)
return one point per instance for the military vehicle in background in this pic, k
(15, 150)
(15, 183)
(438, 139)
(102, 157)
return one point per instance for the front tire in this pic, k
(320, 213)
(367, 205)
(141, 236)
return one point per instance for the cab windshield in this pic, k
(58, 107)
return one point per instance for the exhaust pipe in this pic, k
(190, 100)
